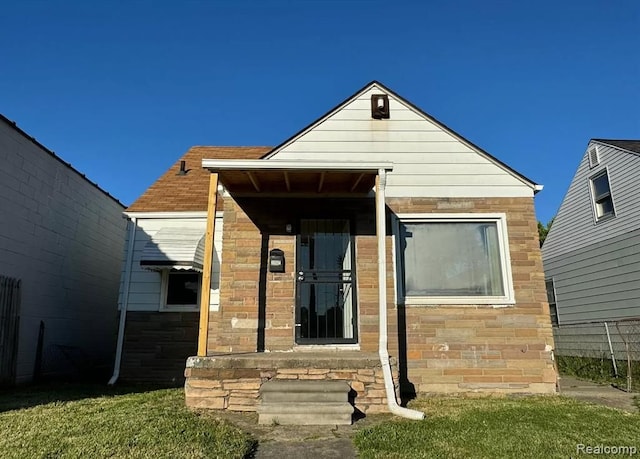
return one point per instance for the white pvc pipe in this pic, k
(613, 357)
(383, 351)
(125, 301)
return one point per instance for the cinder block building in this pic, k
(61, 247)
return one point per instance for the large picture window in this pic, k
(181, 290)
(455, 259)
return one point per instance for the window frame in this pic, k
(164, 292)
(500, 219)
(595, 200)
(552, 313)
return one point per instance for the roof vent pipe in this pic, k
(183, 168)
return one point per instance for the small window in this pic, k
(181, 290)
(602, 199)
(455, 260)
(594, 159)
(551, 299)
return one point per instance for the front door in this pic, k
(325, 293)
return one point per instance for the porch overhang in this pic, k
(296, 177)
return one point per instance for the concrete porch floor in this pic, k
(294, 359)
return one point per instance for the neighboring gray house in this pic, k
(61, 246)
(592, 253)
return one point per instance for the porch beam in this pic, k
(254, 180)
(321, 182)
(219, 165)
(207, 264)
(287, 181)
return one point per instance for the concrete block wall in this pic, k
(157, 345)
(64, 238)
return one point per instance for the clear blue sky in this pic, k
(122, 89)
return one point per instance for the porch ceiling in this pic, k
(298, 177)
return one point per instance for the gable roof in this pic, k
(13, 125)
(629, 145)
(190, 191)
(536, 187)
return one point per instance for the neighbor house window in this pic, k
(180, 290)
(602, 199)
(551, 299)
(455, 259)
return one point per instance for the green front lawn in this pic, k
(97, 422)
(535, 427)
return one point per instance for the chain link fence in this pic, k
(602, 351)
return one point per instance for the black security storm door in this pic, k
(325, 293)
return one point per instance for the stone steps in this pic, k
(300, 402)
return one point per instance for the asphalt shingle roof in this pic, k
(189, 192)
(631, 145)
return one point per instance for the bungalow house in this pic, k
(61, 246)
(592, 252)
(376, 246)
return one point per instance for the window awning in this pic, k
(299, 176)
(174, 248)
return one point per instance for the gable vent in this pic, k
(594, 160)
(380, 106)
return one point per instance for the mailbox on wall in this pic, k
(276, 261)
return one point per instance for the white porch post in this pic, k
(381, 232)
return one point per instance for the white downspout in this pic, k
(381, 231)
(125, 301)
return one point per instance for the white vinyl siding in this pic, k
(598, 282)
(146, 286)
(428, 160)
(574, 226)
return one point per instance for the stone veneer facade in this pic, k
(232, 382)
(440, 349)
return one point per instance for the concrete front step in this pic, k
(306, 414)
(305, 402)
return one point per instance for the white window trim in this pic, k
(503, 240)
(164, 288)
(592, 194)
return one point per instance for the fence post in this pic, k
(626, 346)
(613, 357)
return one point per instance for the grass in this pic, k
(82, 422)
(98, 422)
(534, 427)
